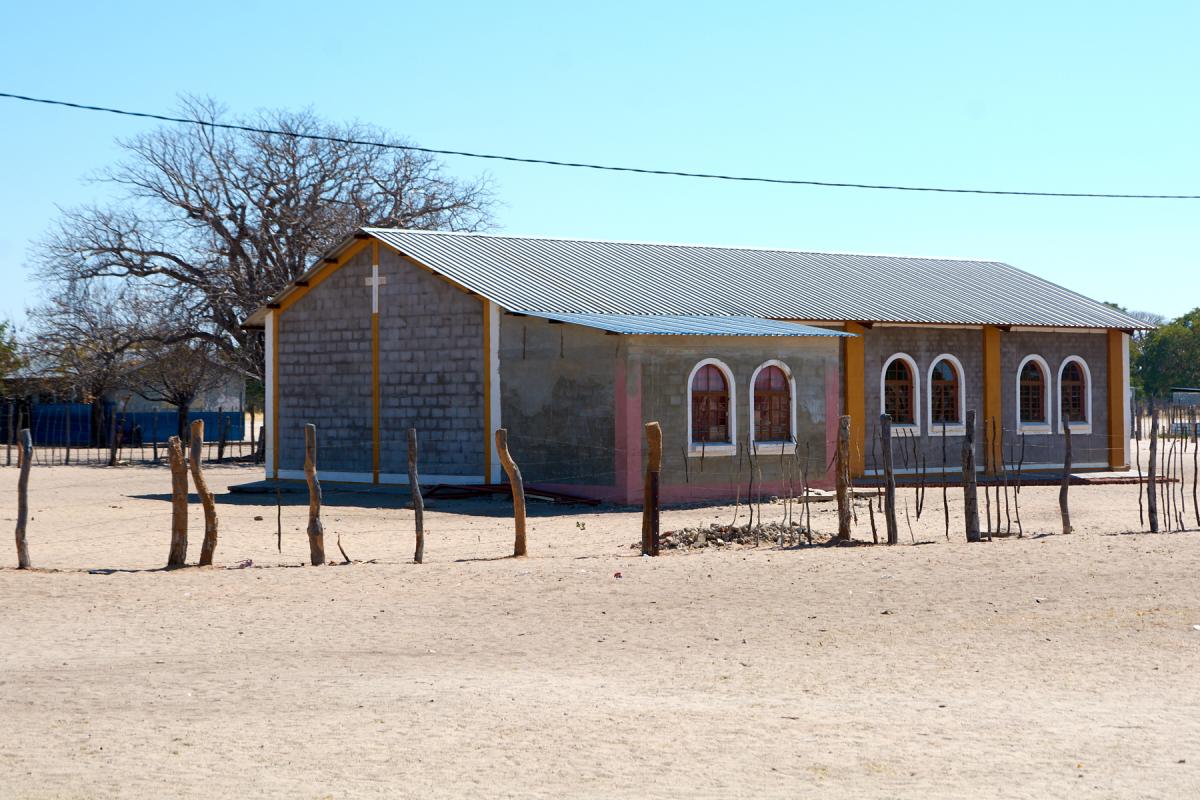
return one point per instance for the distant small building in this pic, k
(746, 357)
(1184, 396)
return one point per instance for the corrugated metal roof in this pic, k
(576, 276)
(686, 325)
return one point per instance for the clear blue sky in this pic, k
(1075, 96)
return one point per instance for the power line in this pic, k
(580, 165)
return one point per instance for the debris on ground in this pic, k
(776, 534)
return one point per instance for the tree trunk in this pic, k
(970, 493)
(414, 488)
(517, 484)
(26, 457)
(209, 546)
(177, 556)
(316, 531)
(889, 478)
(181, 423)
(843, 478)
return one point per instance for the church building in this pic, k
(745, 356)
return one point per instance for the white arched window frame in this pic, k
(1086, 425)
(774, 448)
(1034, 428)
(706, 449)
(903, 430)
(952, 429)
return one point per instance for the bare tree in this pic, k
(228, 218)
(176, 374)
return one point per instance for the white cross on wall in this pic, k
(375, 281)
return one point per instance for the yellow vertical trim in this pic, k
(275, 392)
(1118, 406)
(854, 356)
(487, 391)
(375, 432)
(992, 381)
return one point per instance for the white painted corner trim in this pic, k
(905, 429)
(706, 449)
(768, 447)
(269, 399)
(1086, 425)
(1034, 428)
(495, 468)
(952, 428)
(393, 478)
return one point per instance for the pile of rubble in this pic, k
(776, 534)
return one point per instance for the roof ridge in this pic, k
(687, 245)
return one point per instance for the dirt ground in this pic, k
(1047, 666)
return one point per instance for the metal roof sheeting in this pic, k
(575, 276)
(687, 325)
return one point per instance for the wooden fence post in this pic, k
(517, 484)
(1066, 479)
(8, 440)
(889, 478)
(316, 531)
(650, 515)
(209, 546)
(1151, 471)
(177, 556)
(221, 433)
(970, 494)
(843, 478)
(414, 488)
(26, 457)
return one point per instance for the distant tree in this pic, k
(1152, 321)
(226, 219)
(1170, 356)
(176, 374)
(10, 354)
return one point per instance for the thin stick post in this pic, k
(1152, 470)
(316, 530)
(26, 456)
(650, 515)
(418, 500)
(843, 478)
(177, 556)
(1065, 488)
(889, 476)
(209, 545)
(970, 493)
(517, 483)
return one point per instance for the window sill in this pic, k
(905, 430)
(772, 448)
(957, 429)
(711, 450)
(1034, 428)
(1077, 428)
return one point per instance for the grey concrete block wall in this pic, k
(557, 400)
(924, 344)
(431, 363)
(325, 372)
(667, 361)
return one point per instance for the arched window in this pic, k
(1033, 395)
(947, 403)
(772, 404)
(899, 391)
(1074, 394)
(712, 417)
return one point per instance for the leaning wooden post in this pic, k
(26, 456)
(517, 484)
(650, 517)
(889, 478)
(843, 478)
(316, 531)
(970, 493)
(414, 488)
(206, 497)
(1066, 479)
(177, 555)
(1152, 471)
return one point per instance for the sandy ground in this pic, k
(1048, 666)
